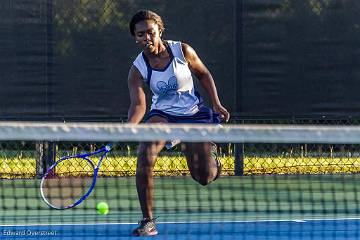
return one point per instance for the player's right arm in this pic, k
(137, 96)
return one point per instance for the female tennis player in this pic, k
(166, 67)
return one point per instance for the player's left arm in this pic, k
(198, 68)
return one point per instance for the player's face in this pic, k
(147, 35)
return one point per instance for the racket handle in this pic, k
(108, 147)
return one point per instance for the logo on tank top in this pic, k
(170, 87)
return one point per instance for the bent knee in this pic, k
(204, 179)
(204, 175)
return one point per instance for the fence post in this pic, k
(45, 157)
(239, 159)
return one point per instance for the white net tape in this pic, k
(184, 132)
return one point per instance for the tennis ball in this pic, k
(102, 208)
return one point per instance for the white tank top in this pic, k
(172, 87)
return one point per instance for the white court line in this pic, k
(190, 222)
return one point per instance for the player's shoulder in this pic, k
(139, 61)
(173, 43)
(182, 47)
(180, 44)
(186, 47)
(139, 57)
(187, 50)
(139, 65)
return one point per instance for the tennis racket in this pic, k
(71, 179)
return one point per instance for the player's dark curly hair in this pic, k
(145, 15)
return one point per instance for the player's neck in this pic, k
(159, 52)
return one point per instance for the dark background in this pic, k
(277, 59)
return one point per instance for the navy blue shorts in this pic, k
(204, 115)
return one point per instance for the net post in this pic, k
(239, 159)
(46, 152)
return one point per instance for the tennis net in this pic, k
(277, 181)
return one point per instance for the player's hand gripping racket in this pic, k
(70, 180)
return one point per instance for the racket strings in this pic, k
(68, 182)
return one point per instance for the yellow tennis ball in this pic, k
(102, 208)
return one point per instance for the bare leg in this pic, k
(147, 154)
(202, 166)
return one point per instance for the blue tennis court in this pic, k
(282, 229)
